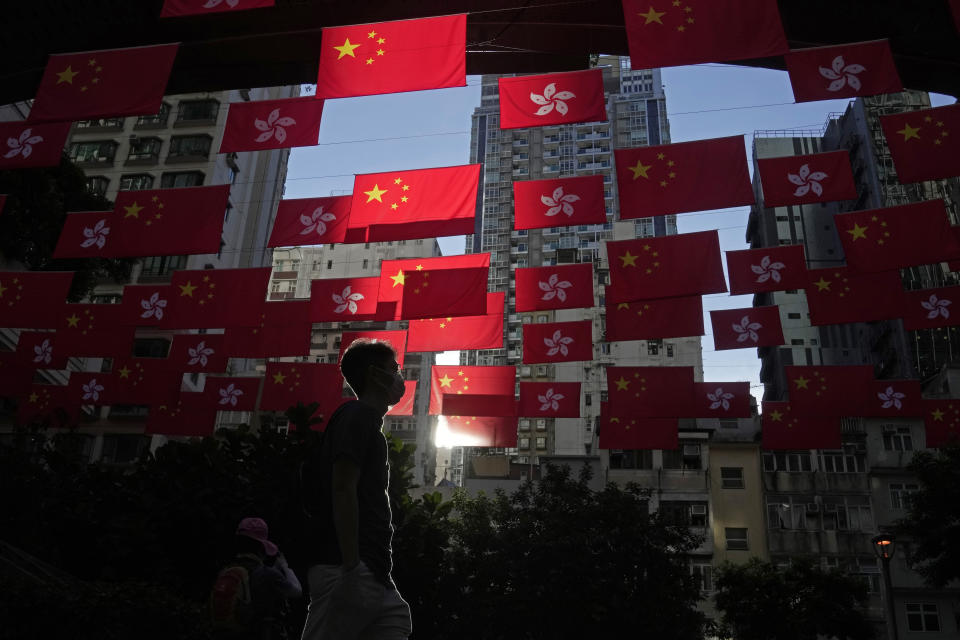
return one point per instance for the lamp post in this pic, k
(884, 545)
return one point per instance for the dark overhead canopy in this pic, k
(281, 45)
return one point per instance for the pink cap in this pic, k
(256, 528)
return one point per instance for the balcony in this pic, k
(594, 136)
(594, 165)
(551, 168)
(592, 150)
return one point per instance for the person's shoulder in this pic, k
(353, 412)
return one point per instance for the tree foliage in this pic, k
(760, 601)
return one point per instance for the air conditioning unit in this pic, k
(813, 507)
(698, 509)
(691, 450)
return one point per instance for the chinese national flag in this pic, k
(478, 405)
(396, 339)
(48, 404)
(144, 381)
(924, 143)
(393, 275)
(568, 286)
(667, 267)
(843, 71)
(391, 57)
(178, 8)
(310, 221)
(696, 31)
(445, 292)
(272, 124)
(558, 342)
(284, 330)
(783, 429)
(287, 383)
(194, 352)
(103, 84)
(768, 269)
(559, 202)
(893, 398)
(896, 237)
(33, 299)
(182, 417)
(555, 98)
(638, 433)
(39, 350)
(167, 222)
(459, 333)
(210, 298)
(29, 144)
(448, 379)
(682, 177)
(144, 304)
(941, 421)
(85, 235)
(652, 392)
(419, 203)
(230, 394)
(94, 330)
(15, 378)
(839, 295)
(721, 400)
(473, 431)
(549, 400)
(405, 406)
(743, 328)
(343, 299)
(818, 177)
(930, 308)
(655, 318)
(828, 390)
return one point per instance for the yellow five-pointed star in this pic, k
(399, 279)
(629, 260)
(278, 378)
(132, 211)
(776, 416)
(938, 415)
(652, 16)
(73, 320)
(66, 75)
(822, 285)
(445, 381)
(33, 398)
(802, 382)
(622, 384)
(124, 372)
(187, 289)
(640, 170)
(623, 305)
(375, 194)
(346, 49)
(858, 232)
(909, 132)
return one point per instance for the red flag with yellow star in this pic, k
(344, 299)
(924, 143)
(941, 421)
(478, 431)
(31, 144)
(828, 390)
(445, 292)
(393, 275)
(449, 379)
(746, 328)
(48, 404)
(284, 330)
(549, 400)
(654, 319)
(896, 237)
(177, 8)
(419, 203)
(94, 330)
(568, 286)
(272, 124)
(559, 202)
(843, 71)
(767, 269)
(638, 433)
(816, 177)
(287, 383)
(103, 84)
(33, 299)
(666, 267)
(167, 222)
(720, 400)
(557, 342)
(405, 406)
(396, 339)
(216, 298)
(391, 57)
(146, 381)
(654, 392)
(783, 429)
(666, 34)
(310, 221)
(682, 177)
(463, 332)
(478, 405)
(841, 295)
(931, 308)
(182, 417)
(554, 98)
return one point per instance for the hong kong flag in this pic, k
(284, 330)
(697, 31)
(177, 8)
(655, 318)
(31, 144)
(931, 308)
(892, 398)
(309, 221)
(549, 399)
(633, 433)
(818, 177)
(39, 350)
(924, 143)
(33, 299)
(656, 392)
(843, 71)
(272, 124)
(474, 431)
(420, 203)
(103, 84)
(558, 287)
(721, 400)
(144, 304)
(840, 295)
(464, 332)
(445, 292)
(671, 266)
(287, 383)
(393, 275)
(405, 406)
(452, 380)
(783, 429)
(230, 394)
(557, 342)
(391, 57)
(478, 405)
(86, 388)
(94, 330)
(555, 98)
(195, 352)
(85, 235)
(212, 298)
(396, 339)
(745, 328)
(941, 421)
(768, 269)
(181, 417)
(828, 390)
(561, 202)
(343, 299)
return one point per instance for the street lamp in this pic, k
(884, 545)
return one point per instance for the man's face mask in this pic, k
(392, 382)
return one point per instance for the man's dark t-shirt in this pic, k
(354, 433)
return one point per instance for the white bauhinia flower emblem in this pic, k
(720, 398)
(554, 288)
(229, 395)
(347, 301)
(199, 354)
(23, 145)
(807, 181)
(767, 270)
(559, 202)
(936, 307)
(43, 352)
(842, 74)
(316, 221)
(550, 400)
(747, 330)
(91, 390)
(210, 4)
(153, 306)
(891, 398)
(550, 99)
(557, 344)
(96, 235)
(273, 126)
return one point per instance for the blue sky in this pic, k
(432, 128)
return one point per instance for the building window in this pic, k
(605, 348)
(897, 439)
(523, 442)
(197, 110)
(524, 424)
(190, 147)
(653, 347)
(101, 123)
(93, 152)
(669, 349)
(631, 459)
(98, 184)
(329, 264)
(145, 149)
(731, 477)
(791, 461)
(151, 347)
(123, 448)
(136, 182)
(541, 443)
(922, 616)
(157, 266)
(736, 538)
(900, 493)
(181, 179)
(703, 574)
(587, 399)
(541, 424)
(686, 457)
(157, 120)
(541, 319)
(366, 263)
(847, 460)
